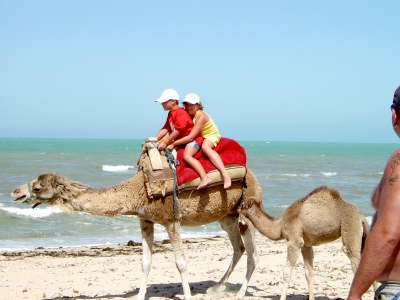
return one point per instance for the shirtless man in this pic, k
(380, 260)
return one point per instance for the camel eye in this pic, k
(37, 188)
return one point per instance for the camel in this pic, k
(320, 217)
(195, 208)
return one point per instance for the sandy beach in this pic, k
(114, 272)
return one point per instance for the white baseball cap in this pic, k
(192, 98)
(169, 94)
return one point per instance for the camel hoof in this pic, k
(140, 297)
(216, 289)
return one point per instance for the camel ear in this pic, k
(54, 181)
(61, 192)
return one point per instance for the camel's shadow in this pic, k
(174, 291)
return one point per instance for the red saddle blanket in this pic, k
(229, 150)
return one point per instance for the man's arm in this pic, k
(385, 234)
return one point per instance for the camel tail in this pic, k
(366, 230)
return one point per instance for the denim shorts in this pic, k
(389, 290)
(194, 145)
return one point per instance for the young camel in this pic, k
(320, 217)
(130, 198)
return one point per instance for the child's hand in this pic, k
(170, 147)
(161, 145)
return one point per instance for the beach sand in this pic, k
(114, 272)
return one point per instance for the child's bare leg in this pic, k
(196, 165)
(208, 149)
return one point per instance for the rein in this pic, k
(172, 163)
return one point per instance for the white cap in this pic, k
(169, 94)
(192, 98)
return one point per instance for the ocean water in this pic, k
(286, 171)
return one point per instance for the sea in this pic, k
(287, 171)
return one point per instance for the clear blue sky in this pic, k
(264, 70)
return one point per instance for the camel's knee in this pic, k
(146, 264)
(287, 273)
(243, 226)
(354, 257)
(181, 265)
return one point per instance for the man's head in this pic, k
(396, 99)
(395, 107)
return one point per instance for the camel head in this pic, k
(49, 188)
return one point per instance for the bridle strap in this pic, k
(31, 195)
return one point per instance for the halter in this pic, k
(31, 195)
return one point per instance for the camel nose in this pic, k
(16, 191)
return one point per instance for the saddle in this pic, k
(159, 176)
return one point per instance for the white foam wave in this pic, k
(117, 168)
(290, 175)
(374, 173)
(329, 173)
(32, 213)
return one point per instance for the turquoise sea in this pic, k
(287, 171)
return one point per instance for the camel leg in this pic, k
(293, 252)
(174, 233)
(147, 229)
(241, 239)
(248, 234)
(352, 239)
(308, 258)
(230, 225)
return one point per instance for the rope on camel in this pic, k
(172, 162)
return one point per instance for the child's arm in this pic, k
(162, 133)
(166, 140)
(187, 139)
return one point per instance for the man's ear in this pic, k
(395, 118)
(396, 121)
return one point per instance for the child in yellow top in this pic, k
(210, 133)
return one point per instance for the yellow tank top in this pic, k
(209, 130)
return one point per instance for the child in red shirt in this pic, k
(178, 125)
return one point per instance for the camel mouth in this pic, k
(20, 199)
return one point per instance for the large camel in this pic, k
(130, 198)
(320, 217)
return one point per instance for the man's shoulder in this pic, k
(396, 153)
(391, 174)
(394, 158)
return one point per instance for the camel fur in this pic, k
(320, 217)
(195, 208)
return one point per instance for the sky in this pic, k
(297, 71)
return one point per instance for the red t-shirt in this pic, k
(179, 120)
